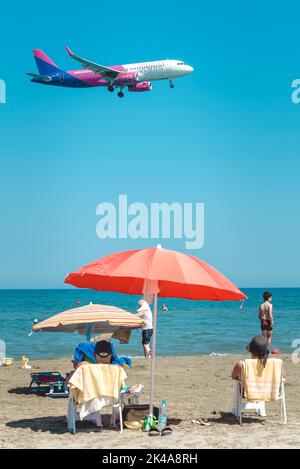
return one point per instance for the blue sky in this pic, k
(228, 135)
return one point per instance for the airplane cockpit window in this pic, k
(180, 63)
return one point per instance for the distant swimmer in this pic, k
(35, 321)
(265, 314)
(165, 308)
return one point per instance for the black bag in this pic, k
(140, 411)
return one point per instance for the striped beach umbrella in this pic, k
(93, 319)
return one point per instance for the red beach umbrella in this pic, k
(178, 275)
(158, 272)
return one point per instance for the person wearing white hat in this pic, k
(145, 313)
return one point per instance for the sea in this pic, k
(187, 328)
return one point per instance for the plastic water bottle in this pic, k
(162, 416)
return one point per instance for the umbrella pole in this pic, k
(153, 355)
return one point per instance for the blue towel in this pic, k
(88, 348)
(84, 348)
(119, 360)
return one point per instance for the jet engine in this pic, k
(125, 79)
(138, 87)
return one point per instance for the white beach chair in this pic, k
(117, 407)
(240, 404)
(73, 416)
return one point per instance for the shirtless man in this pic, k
(265, 314)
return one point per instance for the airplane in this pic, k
(136, 77)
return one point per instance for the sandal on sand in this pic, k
(155, 432)
(201, 422)
(166, 431)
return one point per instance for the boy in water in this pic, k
(265, 314)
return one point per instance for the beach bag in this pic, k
(135, 413)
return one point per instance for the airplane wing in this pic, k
(96, 68)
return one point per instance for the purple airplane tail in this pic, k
(44, 64)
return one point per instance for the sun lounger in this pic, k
(51, 380)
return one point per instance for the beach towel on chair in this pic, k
(90, 381)
(261, 380)
(119, 360)
(96, 386)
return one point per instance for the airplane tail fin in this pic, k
(44, 64)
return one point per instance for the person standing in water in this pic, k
(265, 314)
(144, 312)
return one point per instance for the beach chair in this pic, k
(101, 388)
(73, 416)
(260, 384)
(49, 379)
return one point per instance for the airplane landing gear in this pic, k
(171, 83)
(121, 94)
(111, 88)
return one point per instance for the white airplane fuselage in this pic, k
(159, 70)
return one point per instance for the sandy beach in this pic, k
(194, 387)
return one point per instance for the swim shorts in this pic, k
(146, 336)
(266, 325)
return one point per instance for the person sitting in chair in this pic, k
(103, 352)
(258, 348)
(87, 353)
(259, 379)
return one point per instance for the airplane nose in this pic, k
(189, 69)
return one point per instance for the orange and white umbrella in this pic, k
(92, 319)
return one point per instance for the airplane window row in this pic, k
(147, 66)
